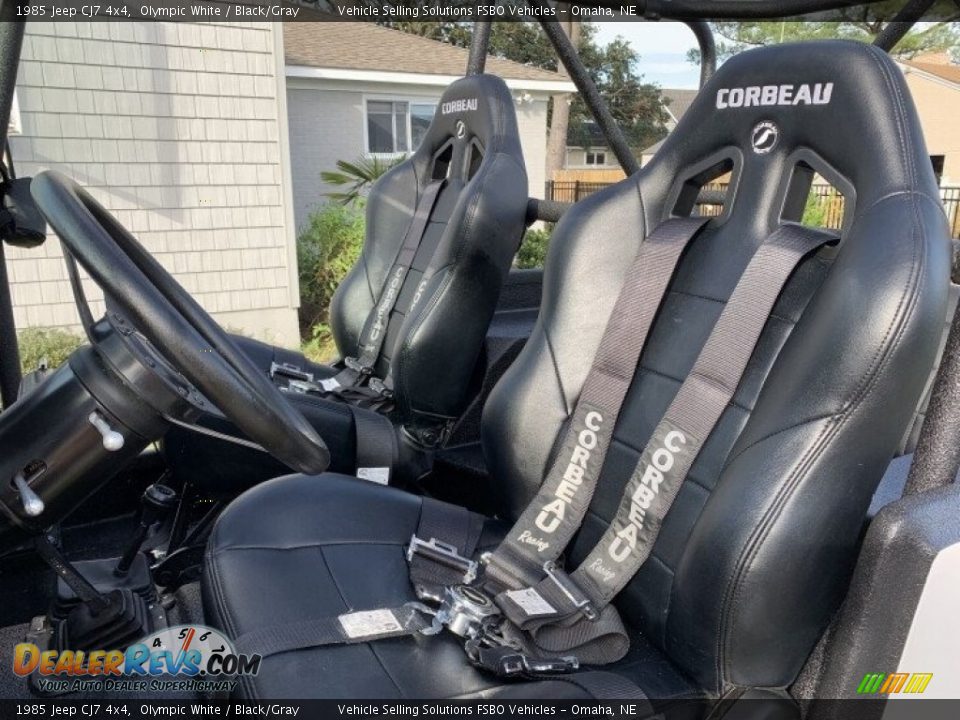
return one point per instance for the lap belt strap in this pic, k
(376, 445)
(374, 332)
(572, 613)
(346, 629)
(555, 514)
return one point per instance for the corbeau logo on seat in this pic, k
(765, 95)
(552, 514)
(383, 308)
(661, 461)
(454, 106)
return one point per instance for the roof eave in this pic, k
(907, 69)
(408, 78)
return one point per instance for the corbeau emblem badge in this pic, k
(764, 137)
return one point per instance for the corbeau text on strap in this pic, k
(662, 468)
(525, 616)
(374, 331)
(551, 520)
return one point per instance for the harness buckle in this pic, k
(491, 652)
(570, 590)
(467, 612)
(444, 554)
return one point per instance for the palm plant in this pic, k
(356, 176)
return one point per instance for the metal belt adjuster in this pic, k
(444, 554)
(569, 588)
(355, 365)
(291, 372)
(379, 387)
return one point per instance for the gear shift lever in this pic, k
(157, 501)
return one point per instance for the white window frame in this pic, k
(410, 100)
(595, 153)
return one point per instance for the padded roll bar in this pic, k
(546, 210)
(479, 47)
(11, 41)
(894, 31)
(708, 48)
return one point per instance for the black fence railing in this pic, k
(825, 208)
(572, 190)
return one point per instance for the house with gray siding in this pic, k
(179, 129)
(184, 132)
(359, 89)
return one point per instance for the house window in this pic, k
(397, 126)
(596, 158)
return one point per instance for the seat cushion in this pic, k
(300, 548)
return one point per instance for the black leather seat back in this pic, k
(475, 228)
(755, 554)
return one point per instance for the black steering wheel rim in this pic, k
(175, 323)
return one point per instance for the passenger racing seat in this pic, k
(756, 552)
(467, 180)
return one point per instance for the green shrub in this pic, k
(357, 177)
(319, 347)
(815, 211)
(533, 248)
(53, 344)
(328, 246)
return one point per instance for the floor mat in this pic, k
(11, 686)
(187, 610)
(25, 591)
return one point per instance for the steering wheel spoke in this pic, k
(171, 332)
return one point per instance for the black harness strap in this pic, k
(376, 445)
(374, 331)
(347, 629)
(555, 514)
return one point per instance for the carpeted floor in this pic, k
(187, 609)
(11, 686)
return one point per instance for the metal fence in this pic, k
(572, 190)
(825, 211)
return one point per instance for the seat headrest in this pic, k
(473, 111)
(841, 107)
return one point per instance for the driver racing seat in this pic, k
(433, 333)
(755, 554)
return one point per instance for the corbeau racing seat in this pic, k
(442, 229)
(755, 553)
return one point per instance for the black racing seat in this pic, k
(755, 554)
(435, 331)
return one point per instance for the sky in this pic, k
(662, 47)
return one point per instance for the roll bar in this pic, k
(11, 41)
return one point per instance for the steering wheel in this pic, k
(176, 325)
